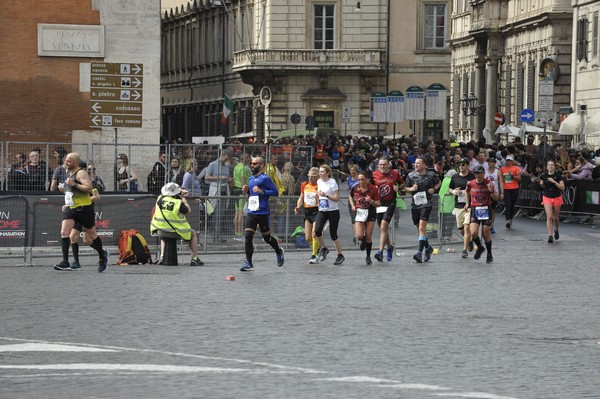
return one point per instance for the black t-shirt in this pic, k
(458, 181)
(550, 189)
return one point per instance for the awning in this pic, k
(242, 135)
(510, 130)
(592, 124)
(530, 129)
(570, 126)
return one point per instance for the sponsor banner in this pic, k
(13, 221)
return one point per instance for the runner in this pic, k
(458, 184)
(308, 199)
(329, 197)
(493, 174)
(422, 183)
(553, 185)
(479, 196)
(512, 176)
(364, 199)
(259, 188)
(388, 182)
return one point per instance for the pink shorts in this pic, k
(558, 201)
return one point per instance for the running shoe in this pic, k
(196, 262)
(556, 235)
(354, 240)
(465, 254)
(478, 253)
(492, 230)
(550, 239)
(368, 261)
(508, 225)
(379, 256)
(102, 265)
(489, 259)
(428, 252)
(75, 266)
(280, 258)
(418, 257)
(363, 244)
(339, 260)
(62, 266)
(247, 267)
(390, 253)
(313, 260)
(238, 238)
(323, 252)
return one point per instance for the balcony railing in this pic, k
(308, 59)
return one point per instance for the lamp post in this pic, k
(221, 3)
(470, 107)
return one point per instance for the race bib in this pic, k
(382, 209)
(482, 212)
(461, 197)
(508, 178)
(361, 215)
(310, 199)
(253, 203)
(69, 199)
(323, 204)
(420, 198)
(335, 163)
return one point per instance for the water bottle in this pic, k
(452, 250)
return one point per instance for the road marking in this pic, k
(39, 345)
(160, 368)
(44, 347)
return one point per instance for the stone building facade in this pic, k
(320, 59)
(499, 53)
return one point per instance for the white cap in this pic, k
(170, 189)
(510, 158)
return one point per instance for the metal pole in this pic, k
(394, 130)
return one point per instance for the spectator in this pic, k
(512, 176)
(176, 172)
(191, 182)
(218, 175)
(582, 170)
(96, 180)
(18, 178)
(126, 177)
(38, 174)
(60, 173)
(156, 178)
(241, 173)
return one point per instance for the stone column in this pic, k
(491, 93)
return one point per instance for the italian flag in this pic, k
(227, 108)
(592, 197)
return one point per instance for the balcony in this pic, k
(308, 60)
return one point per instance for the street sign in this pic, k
(295, 119)
(527, 115)
(546, 95)
(116, 93)
(346, 114)
(499, 118)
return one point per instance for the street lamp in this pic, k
(469, 105)
(358, 9)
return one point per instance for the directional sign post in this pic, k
(116, 93)
(527, 115)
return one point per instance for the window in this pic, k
(434, 26)
(595, 35)
(582, 27)
(324, 23)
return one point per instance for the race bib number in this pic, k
(253, 203)
(482, 212)
(361, 215)
(310, 199)
(69, 199)
(323, 204)
(508, 178)
(382, 209)
(420, 198)
(335, 163)
(461, 197)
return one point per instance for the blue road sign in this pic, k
(527, 115)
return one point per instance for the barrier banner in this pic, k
(13, 221)
(580, 196)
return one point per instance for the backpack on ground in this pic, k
(133, 248)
